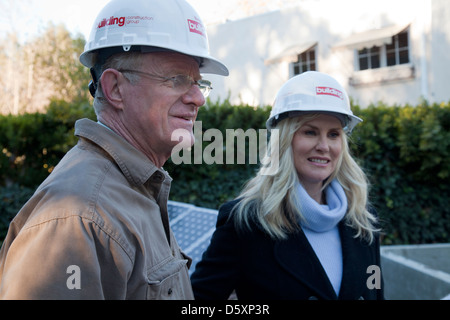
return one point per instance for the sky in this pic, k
(29, 18)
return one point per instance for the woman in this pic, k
(303, 232)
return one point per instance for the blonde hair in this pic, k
(270, 200)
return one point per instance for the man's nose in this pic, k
(195, 96)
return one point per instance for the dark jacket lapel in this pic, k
(297, 257)
(356, 256)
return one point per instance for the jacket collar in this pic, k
(135, 166)
(298, 258)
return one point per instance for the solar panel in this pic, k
(193, 227)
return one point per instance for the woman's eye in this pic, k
(334, 134)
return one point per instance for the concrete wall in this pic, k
(416, 272)
(439, 69)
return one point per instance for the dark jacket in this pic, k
(258, 267)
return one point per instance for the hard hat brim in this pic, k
(213, 66)
(207, 63)
(349, 121)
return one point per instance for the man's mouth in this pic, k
(186, 118)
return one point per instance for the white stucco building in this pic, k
(395, 51)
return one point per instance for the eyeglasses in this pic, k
(181, 83)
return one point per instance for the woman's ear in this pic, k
(111, 81)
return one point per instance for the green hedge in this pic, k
(406, 153)
(211, 185)
(404, 150)
(32, 144)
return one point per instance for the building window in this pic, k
(387, 55)
(306, 62)
(369, 58)
(398, 51)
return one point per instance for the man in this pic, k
(97, 227)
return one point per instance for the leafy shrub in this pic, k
(404, 150)
(210, 185)
(32, 144)
(406, 153)
(12, 198)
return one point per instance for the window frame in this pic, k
(304, 62)
(384, 51)
(370, 54)
(396, 49)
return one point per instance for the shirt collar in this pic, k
(135, 166)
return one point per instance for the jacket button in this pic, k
(169, 292)
(313, 298)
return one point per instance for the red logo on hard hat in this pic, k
(112, 21)
(196, 27)
(330, 92)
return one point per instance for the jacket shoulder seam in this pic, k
(91, 219)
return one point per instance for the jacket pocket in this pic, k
(167, 280)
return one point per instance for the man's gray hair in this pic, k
(126, 60)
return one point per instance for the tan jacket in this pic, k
(97, 228)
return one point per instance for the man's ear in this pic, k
(111, 81)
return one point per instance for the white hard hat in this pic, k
(312, 92)
(147, 26)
